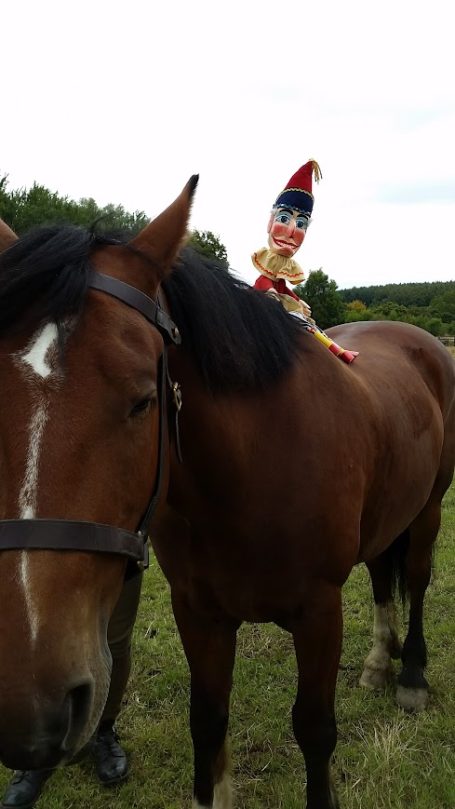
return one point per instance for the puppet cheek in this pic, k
(270, 223)
(279, 230)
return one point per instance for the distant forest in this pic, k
(428, 305)
(411, 294)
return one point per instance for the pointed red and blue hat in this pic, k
(298, 193)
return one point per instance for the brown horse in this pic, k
(295, 468)
(81, 444)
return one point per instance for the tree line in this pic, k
(25, 208)
(428, 305)
(431, 306)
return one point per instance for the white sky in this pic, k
(123, 101)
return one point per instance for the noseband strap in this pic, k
(73, 535)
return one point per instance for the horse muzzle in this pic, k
(40, 733)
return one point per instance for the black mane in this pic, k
(46, 273)
(240, 339)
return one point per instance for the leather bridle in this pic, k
(73, 535)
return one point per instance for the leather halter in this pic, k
(74, 535)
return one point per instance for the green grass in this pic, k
(384, 759)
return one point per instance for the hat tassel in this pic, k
(316, 170)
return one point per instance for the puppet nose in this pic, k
(291, 227)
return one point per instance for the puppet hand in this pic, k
(272, 293)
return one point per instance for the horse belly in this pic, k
(404, 479)
(267, 572)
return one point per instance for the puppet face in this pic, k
(286, 230)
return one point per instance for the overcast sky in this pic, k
(123, 101)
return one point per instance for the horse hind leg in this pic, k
(385, 572)
(412, 690)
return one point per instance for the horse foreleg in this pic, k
(317, 639)
(412, 690)
(210, 650)
(386, 644)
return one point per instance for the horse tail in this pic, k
(397, 553)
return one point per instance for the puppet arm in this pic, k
(266, 285)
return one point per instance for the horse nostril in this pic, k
(78, 702)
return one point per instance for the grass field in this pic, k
(385, 759)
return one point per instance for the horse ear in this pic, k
(7, 236)
(162, 238)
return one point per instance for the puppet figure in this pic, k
(287, 227)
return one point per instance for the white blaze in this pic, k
(28, 492)
(35, 359)
(36, 356)
(25, 578)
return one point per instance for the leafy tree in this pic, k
(25, 208)
(321, 294)
(443, 306)
(209, 245)
(389, 310)
(356, 306)
(352, 315)
(435, 326)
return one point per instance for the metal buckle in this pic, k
(143, 564)
(177, 396)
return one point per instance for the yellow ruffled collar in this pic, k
(274, 266)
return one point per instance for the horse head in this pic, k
(81, 447)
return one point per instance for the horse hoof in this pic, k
(375, 679)
(412, 699)
(223, 798)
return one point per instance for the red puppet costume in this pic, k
(288, 223)
(287, 226)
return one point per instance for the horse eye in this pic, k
(143, 406)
